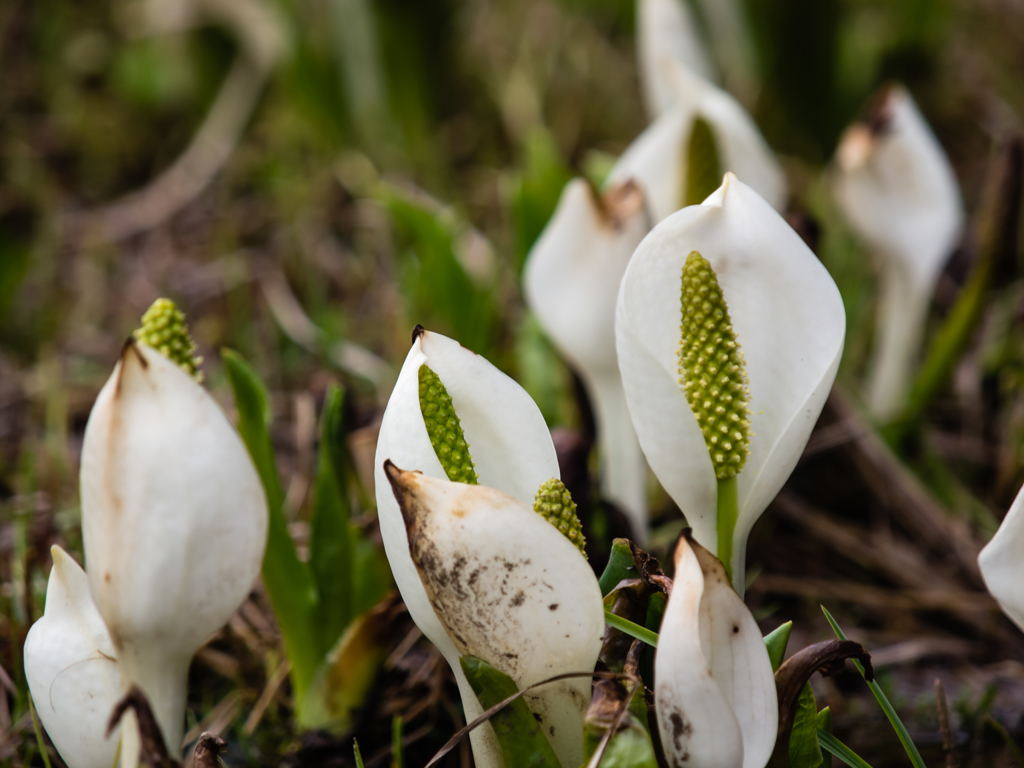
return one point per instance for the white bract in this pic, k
(174, 524)
(571, 282)
(1002, 564)
(789, 323)
(658, 158)
(71, 669)
(512, 452)
(896, 187)
(667, 32)
(715, 691)
(509, 589)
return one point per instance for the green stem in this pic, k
(631, 629)
(728, 513)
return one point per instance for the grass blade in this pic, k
(39, 732)
(631, 629)
(834, 746)
(883, 702)
(288, 581)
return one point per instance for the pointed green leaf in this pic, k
(520, 737)
(824, 719)
(287, 579)
(834, 746)
(330, 544)
(620, 566)
(776, 641)
(804, 751)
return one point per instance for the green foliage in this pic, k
(522, 741)
(834, 746)
(440, 293)
(883, 702)
(804, 751)
(631, 745)
(315, 602)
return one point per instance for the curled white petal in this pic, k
(1002, 564)
(790, 324)
(571, 282)
(511, 449)
(715, 689)
(174, 522)
(896, 187)
(510, 589)
(71, 669)
(657, 158)
(667, 32)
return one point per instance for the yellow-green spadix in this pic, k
(71, 669)
(789, 324)
(509, 448)
(174, 525)
(715, 690)
(509, 588)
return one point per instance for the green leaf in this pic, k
(631, 629)
(330, 539)
(288, 581)
(620, 566)
(397, 754)
(804, 751)
(776, 642)
(834, 746)
(631, 747)
(522, 742)
(824, 720)
(357, 754)
(883, 701)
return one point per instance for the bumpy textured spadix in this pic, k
(711, 368)
(554, 503)
(163, 329)
(512, 451)
(444, 428)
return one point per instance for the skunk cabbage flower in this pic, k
(71, 669)
(666, 33)
(729, 333)
(571, 282)
(714, 686)
(895, 185)
(174, 518)
(452, 415)
(1001, 563)
(680, 158)
(509, 588)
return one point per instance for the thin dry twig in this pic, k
(942, 708)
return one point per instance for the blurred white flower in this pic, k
(509, 589)
(571, 281)
(510, 447)
(714, 686)
(895, 185)
(667, 32)
(174, 524)
(788, 322)
(1002, 563)
(71, 669)
(659, 159)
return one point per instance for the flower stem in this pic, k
(728, 513)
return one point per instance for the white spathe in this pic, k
(667, 32)
(896, 187)
(571, 281)
(717, 705)
(174, 525)
(511, 450)
(789, 322)
(71, 669)
(509, 589)
(657, 158)
(1002, 564)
